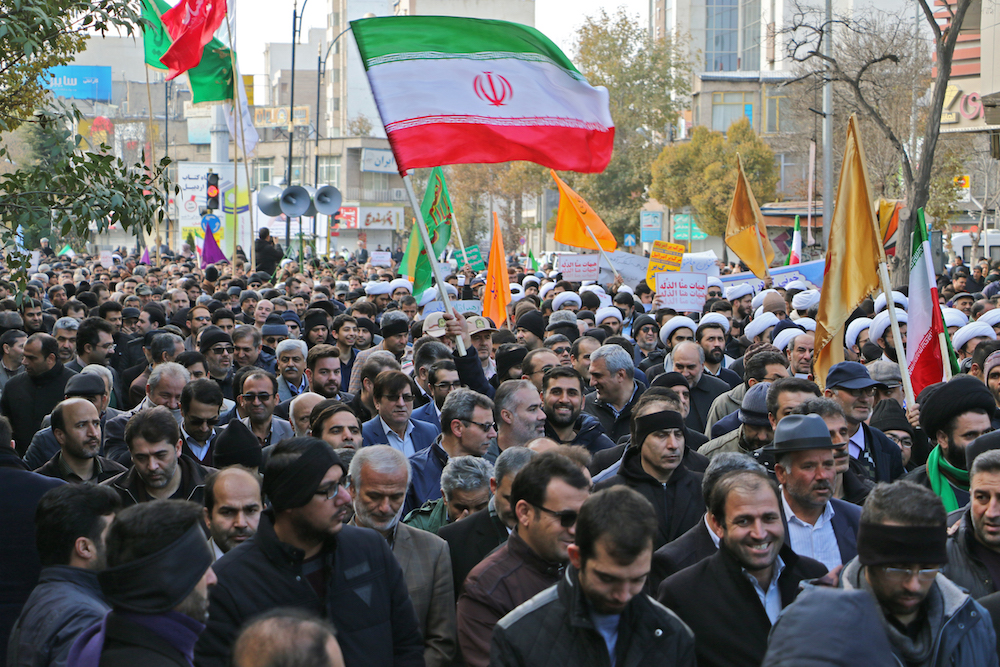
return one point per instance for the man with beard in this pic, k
(324, 372)
(646, 334)
(818, 525)
(610, 560)
(158, 578)
(974, 548)
(519, 416)
(952, 415)
(732, 598)
(379, 479)
(218, 348)
(257, 400)
(741, 296)
(880, 332)
(291, 367)
(71, 522)
(565, 421)
(852, 387)
(76, 425)
(304, 556)
(232, 508)
(612, 373)
(755, 430)
(159, 470)
(968, 337)
(165, 385)
(442, 379)
(65, 332)
(395, 333)
(711, 336)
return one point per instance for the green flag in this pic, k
(436, 209)
(211, 80)
(531, 258)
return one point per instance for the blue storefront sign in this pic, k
(80, 82)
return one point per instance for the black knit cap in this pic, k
(237, 445)
(890, 416)
(213, 336)
(533, 322)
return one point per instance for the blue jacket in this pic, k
(427, 413)
(422, 436)
(425, 482)
(66, 601)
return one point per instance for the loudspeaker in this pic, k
(295, 201)
(311, 211)
(327, 200)
(269, 200)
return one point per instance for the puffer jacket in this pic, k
(966, 637)
(555, 628)
(963, 567)
(589, 434)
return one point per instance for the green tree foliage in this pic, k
(648, 81)
(55, 186)
(701, 173)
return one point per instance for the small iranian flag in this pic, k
(457, 90)
(795, 256)
(928, 342)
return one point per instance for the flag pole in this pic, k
(945, 357)
(429, 249)
(606, 258)
(454, 223)
(897, 338)
(238, 107)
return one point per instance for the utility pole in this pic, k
(828, 129)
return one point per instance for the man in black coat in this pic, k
(158, 605)
(267, 252)
(304, 556)
(653, 467)
(570, 623)
(28, 397)
(689, 361)
(731, 599)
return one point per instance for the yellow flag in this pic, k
(746, 233)
(575, 217)
(497, 294)
(852, 257)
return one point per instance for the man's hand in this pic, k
(457, 327)
(831, 578)
(913, 415)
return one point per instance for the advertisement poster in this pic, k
(192, 178)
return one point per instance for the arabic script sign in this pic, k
(379, 160)
(80, 82)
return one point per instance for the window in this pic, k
(750, 52)
(776, 111)
(721, 34)
(298, 170)
(374, 181)
(263, 171)
(727, 108)
(329, 170)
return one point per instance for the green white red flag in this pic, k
(191, 24)
(927, 337)
(795, 255)
(457, 90)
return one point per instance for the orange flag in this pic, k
(497, 294)
(575, 217)
(852, 257)
(746, 233)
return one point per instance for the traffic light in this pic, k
(212, 191)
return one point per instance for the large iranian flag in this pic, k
(927, 338)
(457, 90)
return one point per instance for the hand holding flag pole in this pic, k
(438, 278)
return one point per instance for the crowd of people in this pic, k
(314, 465)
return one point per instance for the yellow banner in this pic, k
(663, 257)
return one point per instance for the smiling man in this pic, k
(565, 421)
(745, 585)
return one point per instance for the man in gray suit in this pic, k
(379, 478)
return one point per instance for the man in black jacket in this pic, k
(31, 395)
(157, 581)
(598, 613)
(304, 556)
(267, 252)
(731, 599)
(653, 466)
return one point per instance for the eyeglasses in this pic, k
(203, 318)
(903, 574)
(567, 518)
(228, 349)
(448, 385)
(905, 443)
(263, 397)
(859, 393)
(201, 421)
(486, 426)
(408, 398)
(331, 491)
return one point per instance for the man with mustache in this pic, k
(379, 478)
(76, 426)
(232, 508)
(817, 524)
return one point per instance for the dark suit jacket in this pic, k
(470, 541)
(692, 547)
(721, 606)
(702, 395)
(427, 413)
(422, 436)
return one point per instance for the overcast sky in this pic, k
(261, 21)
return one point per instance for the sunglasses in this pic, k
(566, 518)
(263, 397)
(200, 421)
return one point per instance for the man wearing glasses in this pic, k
(217, 346)
(197, 318)
(442, 379)
(902, 546)
(95, 343)
(258, 400)
(546, 496)
(467, 427)
(201, 402)
(852, 387)
(392, 425)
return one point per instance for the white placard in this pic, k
(381, 258)
(106, 261)
(575, 268)
(632, 268)
(684, 292)
(465, 306)
(701, 262)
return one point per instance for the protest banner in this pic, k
(465, 306)
(631, 267)
(381, 258)
(576, 268)
(811, 273)
(663, 257)
(701, 262)
(684, 292)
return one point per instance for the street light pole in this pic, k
(296, 31)
(320, 74)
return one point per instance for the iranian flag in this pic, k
(795, 255)
(927, 338)
(457, 90)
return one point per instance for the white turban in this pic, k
(734, 292)
(608, 312)
(675, 323)
(714, 282)
(854, 330)
(953, 317)
(807, 323)
(970, 331)
(564, 298)
(715, 318)
(785, 337)
(881, 322)
(758, 299)
(805, 299)
(545, 289)
(400, 282)
(530, 279)
(796, 284)
(990, 317)
(759, 325)
(898, 298)
(377, 288)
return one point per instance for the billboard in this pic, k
(80, 82)
(278, 116)
(378, 160)
(192, 179)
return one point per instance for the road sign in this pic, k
(629, 240)
(651, 225)
(211, 222)
(686, 229)
(475, 258)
